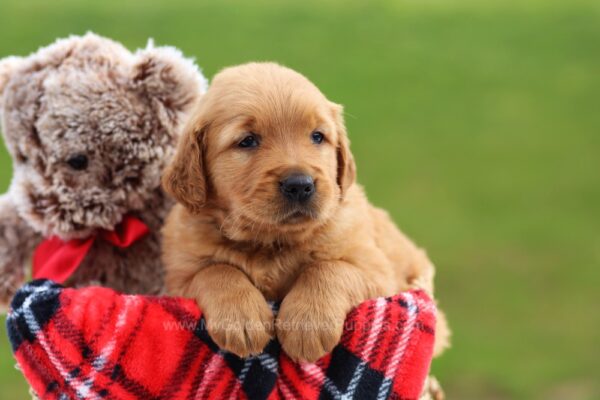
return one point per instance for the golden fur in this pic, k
(233, 242)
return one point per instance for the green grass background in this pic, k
(476, 123)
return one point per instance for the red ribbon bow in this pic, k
(57, 260)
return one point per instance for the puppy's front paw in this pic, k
(242, 327)
(308, 331)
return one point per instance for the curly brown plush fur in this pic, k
(90, 96)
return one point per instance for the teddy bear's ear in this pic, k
(172, 82)
(7, 66)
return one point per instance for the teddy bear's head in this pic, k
(90, 127)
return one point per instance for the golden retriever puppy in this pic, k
(269, 210)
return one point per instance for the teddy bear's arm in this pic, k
(17, 241)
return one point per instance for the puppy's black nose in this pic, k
(297, 187)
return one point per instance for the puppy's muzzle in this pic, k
(297, 188)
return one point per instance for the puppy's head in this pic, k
(267, 148)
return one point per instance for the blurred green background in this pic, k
(476, 123)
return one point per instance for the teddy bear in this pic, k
(89, 126)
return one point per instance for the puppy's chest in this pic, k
(274, 271)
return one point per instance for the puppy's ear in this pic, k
(346, 167)
(172, 83)
(7, 66)
(185, 177)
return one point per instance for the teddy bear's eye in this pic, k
(78, 162)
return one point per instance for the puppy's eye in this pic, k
(248, 142)
(78, 162)
(317, 137)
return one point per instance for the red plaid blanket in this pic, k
(95, 343)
